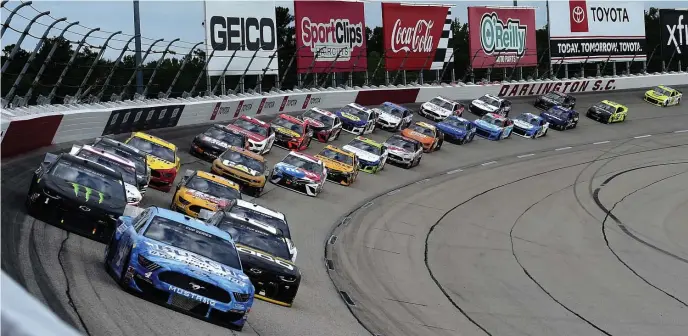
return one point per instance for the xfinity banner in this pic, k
(674, 32)
(243, 29)
(597, 31)
(502, 37)
(330, 36)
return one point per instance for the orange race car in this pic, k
(428, 135)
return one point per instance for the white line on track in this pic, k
(683, 131)
(601, 142)
(367, 205)
(423, 181)
(525, 155)
(562, 148)
(643, 136)
(393, 192)
(488, 163)
(454, 171)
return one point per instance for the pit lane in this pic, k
(65, 271)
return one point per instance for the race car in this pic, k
(244, 167)
(182, 263)
(490, 104)
(302, 173)
(78, 195)
(555, 98)
(215, 140)
(493, 127)
(264, 255)
(560, 118)
(457, 130)
(428, 135)
(291, 133)
(116, 163)
(325, 124)
(342, 166)
(357, 119)
(260, 135)
(143, 173)
(200, 190)
(663, 96)
(607, 112)
(439, 108)
(529, 125)
(404, 151)
(162, 160)
(372, 155)
(393, 117)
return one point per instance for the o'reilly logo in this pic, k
(678, 34)
(497, 37)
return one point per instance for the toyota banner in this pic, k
(502, 37)
(674, 32)
(330, 36)
(416, 36)
(597, 31)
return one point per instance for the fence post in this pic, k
(138, 66)
(444, 67)
(179, 72)
(93, 65)
(17, 45)
(351, 74)
(401, 68)
(100, 94)
(157, 66)
(221, 78)
(329, 69)
(259, 85)
(379, 63)
(9, 17)
(310, 68)
(286, 71)
(647, 61)
(57, 85)
(200, 75)
(241, 79)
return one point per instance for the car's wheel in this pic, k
(499, 136)
(109, 253)
(545, 134)
(439, 145)
(308, 142)
(418, 160)
(678, 101)
(462, 141)
(257, 191)
(410, 164)
(123, 273)
(666, 103)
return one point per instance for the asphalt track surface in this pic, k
(520, 244)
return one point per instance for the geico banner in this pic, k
(502, 37)
(590, 31)
(416, 37)
(330, 36)
(246, 28)
(674, 32)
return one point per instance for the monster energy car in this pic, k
(78, 195)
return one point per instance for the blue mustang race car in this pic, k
(457, 129)
(560, 118)
(529, 125)
(494, 126)
(357, 119)
(179, 262)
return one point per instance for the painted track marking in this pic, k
(488, 163)
(600, 142)
(642, 136)
(525, 155)
(563, 148)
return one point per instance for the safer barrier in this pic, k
(26, 129)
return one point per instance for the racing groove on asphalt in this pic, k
(559, 245)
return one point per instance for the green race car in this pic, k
(608, 112)
(663, 96)
(372, 155)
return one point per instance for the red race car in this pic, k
(260, 135)
(291, 133)
(326, 125)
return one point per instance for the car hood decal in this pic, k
(214, 142)
(388, 117)
(363, 155)
(156, 163)
(523, 124)
(450, 128)
(297, 172)
(252, 136)
(240, 167)
(351, 119)
(220, 202)
(335, 165)
(287, 132)
(483, 105)
(484, 124)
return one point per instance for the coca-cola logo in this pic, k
(333, 39)
(415, 38)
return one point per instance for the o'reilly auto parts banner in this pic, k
(416, 37)
(244, 27)
(674, 32)
(594, 30)
(502, 37)
(330, 31)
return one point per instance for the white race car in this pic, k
(393, 117)
(439, 108)
(529, 125)
(490, 104)
(404, 151)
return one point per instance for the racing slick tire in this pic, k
(462, 140)
(666, 103)
(439, 145)
(418, 160)
(409, 165)
(109, 254)
(257, 191)
(499, 136)
(545, 134)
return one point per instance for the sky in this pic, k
(182, 19)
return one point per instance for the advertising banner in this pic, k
(593, 30)
(674, 32)
(143, 119)
(502, 37)
(330, 36)
(247, 28)
(416, 36)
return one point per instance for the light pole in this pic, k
(137, 33)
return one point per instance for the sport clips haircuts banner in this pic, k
(591, 31)
(237, 31)
(330, 36)
(416, 37)
(502, 37)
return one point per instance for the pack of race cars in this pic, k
(211, 253)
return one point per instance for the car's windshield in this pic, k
(106, 186)
(605, 108)
(442, 103)
(128, 173)
(226, 136)
(251, 127)
(559, 113)
(325, 120)
(288, 125)
(392, 110)
(300, 162)
(400, 142)
(254, 237)
(244, 212)
(455, 122)
(151, 148)
(489, 101)
(365, 146)
(529, 119)
(212, 188)
(492, 120)
(422, 130)
(193, 240)
(244, 160)
(662, 92)
(363, 115)
(139, 160)
(555, 96)
(330, 154)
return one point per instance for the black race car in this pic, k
(264, 255)
(78, 195)
(130, 153)
(214, 141)
(560, 118)
(554, 98)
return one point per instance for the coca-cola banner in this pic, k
(502, 37)
(330, 36)
(417, 37)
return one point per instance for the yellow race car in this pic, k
(244, 167)
(608, 112)
(663, 96)
(342, 166)
(162, 159)
(199, 190)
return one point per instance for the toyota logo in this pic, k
(195, 286)
(578, 14)
(84, 208)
